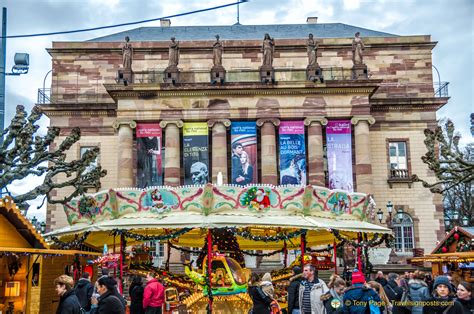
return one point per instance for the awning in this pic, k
(47, 251)
(460, 257)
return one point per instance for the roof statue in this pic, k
(268, 48)
(312, 49)
(127, 54)
(357, 50)
(217, 50)
(173, 53)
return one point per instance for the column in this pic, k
(268, 150)
(315, 150)
(219, 147)
(363, 165)
(125, 153)
(172, 152)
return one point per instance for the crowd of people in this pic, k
(415, 292)
(104, 297)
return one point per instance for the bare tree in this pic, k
(24, 153)
(453, 168)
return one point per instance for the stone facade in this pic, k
(395, 101)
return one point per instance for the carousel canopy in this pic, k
(262, 211)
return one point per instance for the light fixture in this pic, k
(400, 213)
(456, 215)
(43, 227)
(34, 221)
(447, 221)
(389, 208)
(380, 215)
(465, 221)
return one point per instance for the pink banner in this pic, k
(149, 155)
(339, 154)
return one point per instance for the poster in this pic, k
(196, 153)
(339, 153)
(149, 155)
(292, 153)
(244, 153)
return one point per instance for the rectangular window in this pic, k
(94, 164)
(398, 155)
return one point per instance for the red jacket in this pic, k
(154, 294)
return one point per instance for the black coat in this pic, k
(381, 281)
(395, 293)
(136, 295)
(327, 299)
(293, 293)
(84, 290)
(109, 303)
(69, 304)
(467, 305)
(261, 302)
(456, 308)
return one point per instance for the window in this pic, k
(403, 230)
(398, 155)
(94, 164)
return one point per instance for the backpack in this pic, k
(374, 309)
(275, 307)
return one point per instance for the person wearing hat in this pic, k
(293, 291)
(358, 297)
(443, 301)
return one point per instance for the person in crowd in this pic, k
(261, 301)
(356, 298)
(394, 293)
(442, 301)
(108, 302)
(267, 286)
(381, 279)
(311, 290)
(84, 289)
(332, 299)
(464, 296)
(332, 280)
(386, 305)
(293, 291)
(136, 295)
(429, 282)
(403, 283)
(153, 295)
(68, 301)
(418, 290)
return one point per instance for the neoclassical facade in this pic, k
(388, 105)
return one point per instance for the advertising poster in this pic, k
(149, 155)
(292, 153)
(339, 153)
(196, 153)
(244, 153)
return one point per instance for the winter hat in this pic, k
(357, 277)
(442, 280)
(267, 277)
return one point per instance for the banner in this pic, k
(339, 153)
(149, 155)
(292, 153)
(244, 153)
(196, 153)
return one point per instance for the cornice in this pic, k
(225, 122)
(313, 120)
(79, 109)
(178, 123)
(262, 121)
(414, 104)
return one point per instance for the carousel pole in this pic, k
(168, 254)
(359, 260)
(303, 247)
(335, 256)
(285, 254)
(115, 268)
(121, 261)
(209, 267)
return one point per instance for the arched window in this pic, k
(403, 230)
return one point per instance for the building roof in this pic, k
(242, 32)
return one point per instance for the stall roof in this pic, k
(468, 231)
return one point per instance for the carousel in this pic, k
(220, 223)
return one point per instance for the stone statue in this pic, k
(312, 49)
(268, 48)
(127, 54)
(357, 48)
(173, 53)
(217, 50)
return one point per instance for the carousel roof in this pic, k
(159, 211)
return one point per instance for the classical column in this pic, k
(219, 147)
(315, 150)
(125, 152)
(172, 151)
(268, 150)
(363, 165)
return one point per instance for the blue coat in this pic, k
(356, 299)
(418, 292)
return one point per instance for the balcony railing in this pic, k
(441, 89)
(44, 95)
(399, 176)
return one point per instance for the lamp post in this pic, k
(389, 208)
(465, 221)
(380, 215)
(400, 213)
(34, 221)
(43, 227)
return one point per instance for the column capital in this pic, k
(225, 122)
(274, 121)
(117, 123)
(178, 123)
(310, 120)
(370, 119)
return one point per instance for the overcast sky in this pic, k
(449, 22)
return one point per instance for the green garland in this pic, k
(76, 243)
(276, 238)
(375, 241)
(141, 237)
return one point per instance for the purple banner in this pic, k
(339, 154)
(292, 153)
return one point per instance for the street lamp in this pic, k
(400, 213)
(465, 221)
(33, 221)
(447, 221)
(389, 208)
(456, 215)
(380, 215)
(43, 227)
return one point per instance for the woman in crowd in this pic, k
(442, 301)
(108, 302)
(386, 306)
(419, 290)
(464, 296)
(332, 300)
(293, 291)
(68, 302)
(136, 295)
(261, 301)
